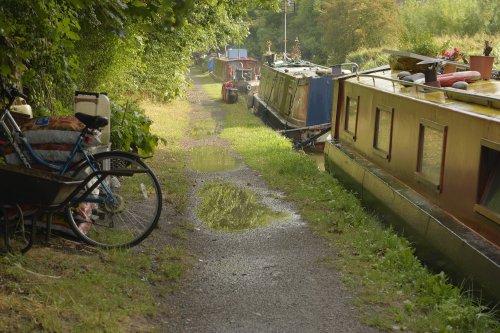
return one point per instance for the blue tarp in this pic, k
(320, 99)
(211, 65)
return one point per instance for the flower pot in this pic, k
(449, 68)
(482, 64)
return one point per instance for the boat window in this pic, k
(383, 131)
(351, 115)
(489, 181)
(432, 143)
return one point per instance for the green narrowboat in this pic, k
(296, 97)
(427, 160)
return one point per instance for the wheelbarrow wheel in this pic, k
(18, 236)
(123, 210)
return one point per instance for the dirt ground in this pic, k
(268, 279)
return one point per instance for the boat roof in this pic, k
(236, 59)
(482, 98)
(302, 70)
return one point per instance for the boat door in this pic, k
(320, 101)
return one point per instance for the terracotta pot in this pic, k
(449, 68)
(482, 64)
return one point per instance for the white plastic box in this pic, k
(95, 104)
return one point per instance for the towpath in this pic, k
(268, 279)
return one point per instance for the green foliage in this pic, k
(128, 48)
(418, 41)
(331, 31)
(368, 58)
(451, 17)
(118, 46)
(350, 24)
(270, 26)
(130, 129)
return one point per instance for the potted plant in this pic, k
(451, 55)
(269, 55)
(483, 63)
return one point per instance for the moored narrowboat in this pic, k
(427, 159)
(237, 67)
(296, 97)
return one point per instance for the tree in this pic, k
(53, 46)
(347, 25)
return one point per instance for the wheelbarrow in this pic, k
(45, 192)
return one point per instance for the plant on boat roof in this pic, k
(487, 48)
(269, 43)
(453, 54)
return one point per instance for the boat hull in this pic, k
(440, 240)
(316, 134)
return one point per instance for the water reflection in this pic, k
(318, 157)
(212, 159)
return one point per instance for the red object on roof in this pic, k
(447, 80)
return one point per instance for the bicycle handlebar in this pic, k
(13, 93)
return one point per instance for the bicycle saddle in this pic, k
(92, 121)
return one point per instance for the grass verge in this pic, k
(54, 290)
(394, 290)
(171, 122)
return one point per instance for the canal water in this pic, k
(318, 157)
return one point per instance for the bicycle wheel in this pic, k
(123, 210)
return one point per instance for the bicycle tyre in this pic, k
(133, 215)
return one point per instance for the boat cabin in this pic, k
(236, 66)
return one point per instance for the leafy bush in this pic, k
(368, 58)
(419, 41)
(130, 129)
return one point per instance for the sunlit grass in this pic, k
(394, 290)
(171, 122)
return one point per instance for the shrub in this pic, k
(130, 129)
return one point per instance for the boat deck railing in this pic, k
(449, 93)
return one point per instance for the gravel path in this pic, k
(268, 279)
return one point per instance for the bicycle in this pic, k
(124, 210)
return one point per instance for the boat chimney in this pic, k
(430, 75)
(431, 72)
